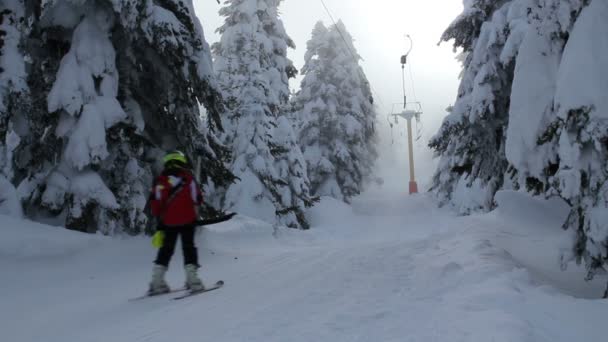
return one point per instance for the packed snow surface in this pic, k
(387, 268)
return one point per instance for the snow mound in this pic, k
(23, 239)
(522, 208)
(530, 230)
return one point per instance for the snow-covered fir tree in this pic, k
(558, 131)
(572, 126)
(556, 140)
(13, 91)
(471, 141)
(532, 109)
(335, 115)
(466, 28)
(114, 84)
(254, 71)
(175, 77)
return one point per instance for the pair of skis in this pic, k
(216, 286)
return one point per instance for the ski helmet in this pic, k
(176, 159)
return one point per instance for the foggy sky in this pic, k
(379, 28)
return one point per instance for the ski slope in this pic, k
(388, 268)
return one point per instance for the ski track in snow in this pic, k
(389, 268)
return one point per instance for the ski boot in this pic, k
(193, 282)
(158, 285)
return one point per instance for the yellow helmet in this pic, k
(176, 158)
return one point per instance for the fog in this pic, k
(379, 28)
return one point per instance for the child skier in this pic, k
(174, 200)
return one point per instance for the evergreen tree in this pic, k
(471, 141)
(254, 71)
(577, 133)
(13, 90)
(335, 115)
(466, 28)
(532, 153)
(114, 84)
(556, 140)
(167, 71)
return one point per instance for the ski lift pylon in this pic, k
(410, 111)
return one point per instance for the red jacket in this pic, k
(175, 197)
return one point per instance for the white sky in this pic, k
(379, 28)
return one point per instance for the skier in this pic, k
(174, 200)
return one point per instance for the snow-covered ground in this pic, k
(388, 268)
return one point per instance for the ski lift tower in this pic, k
(411, 110)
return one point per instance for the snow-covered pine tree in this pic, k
(253, 72)
(557, 136)
(13, 90)
(471, 141)
(117, 83)
(466, 28)
(531, 148)
(335, 115)
(576, 134)
(166, 68)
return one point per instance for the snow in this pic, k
(92, 55)
(12, 141)
(171, 26)
(583, 75)
(531, 104)
(85, 187)
(472, 197)
(598, 217)
(387, 268)
(249, 198)
(518, 27)
(9, 200)
(76, 91)
(135, 113)
(63, 13)
(57, 185)
(27, 241)
(531, 232)
(87, 145)
(88, 186)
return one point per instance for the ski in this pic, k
(217, 285)
(157, 295)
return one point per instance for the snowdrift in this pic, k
(22, 239)
(530, 230)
